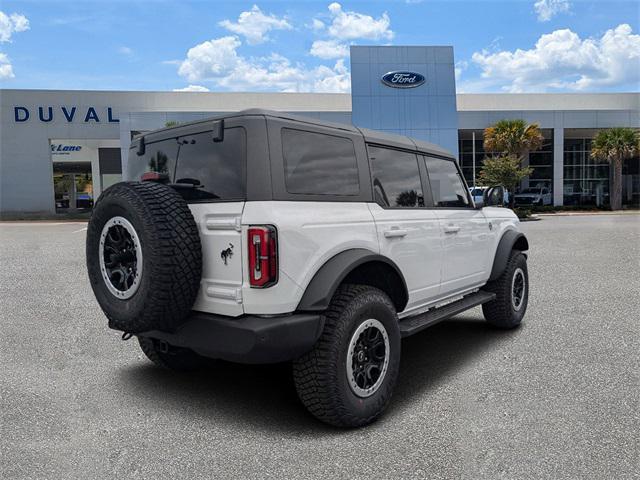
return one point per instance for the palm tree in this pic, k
(614, 146)
(511, 141)
(513, 138)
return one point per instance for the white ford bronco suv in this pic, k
(263, 237)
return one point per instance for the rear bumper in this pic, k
(246, 339)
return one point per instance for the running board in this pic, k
(417, 323)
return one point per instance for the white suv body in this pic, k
(442, 253)
(263, 237)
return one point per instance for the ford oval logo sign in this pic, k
(401, 79)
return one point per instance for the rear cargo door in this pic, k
(212, 175)
(221, 234)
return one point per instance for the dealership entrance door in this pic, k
(82, 169)
(72, 186)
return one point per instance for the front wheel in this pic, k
(348, 378)
(512, 294)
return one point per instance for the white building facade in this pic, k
(60, 149)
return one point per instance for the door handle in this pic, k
(395, 232)
(451, 229)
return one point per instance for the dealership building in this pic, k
(59, 149)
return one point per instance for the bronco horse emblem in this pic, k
(227, 253)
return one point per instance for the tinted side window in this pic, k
(216, 168)
(447, 187)
(319, 164)
(396, 178)
(158, 157)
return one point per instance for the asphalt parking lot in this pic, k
(557, 398)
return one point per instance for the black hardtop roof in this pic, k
(370, 136)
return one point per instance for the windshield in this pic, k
(534, 191)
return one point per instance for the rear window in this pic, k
(217, 167)
(198, 167)
(319, 164)
(158, 157)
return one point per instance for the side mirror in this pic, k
(493, 196)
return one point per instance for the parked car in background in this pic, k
(84, 200)
(478, 195)
(539, 195)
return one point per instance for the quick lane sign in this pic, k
(403, 79)
(68, 114)
(62, 149)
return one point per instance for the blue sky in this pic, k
(509, 46)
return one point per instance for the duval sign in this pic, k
(68, 114)
(403, 79)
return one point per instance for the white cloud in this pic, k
(254, 25)
(210, 59)
(10, 24)
(561, 60)
(278, 73)
(347, 25)
(218, 62)
(6, 70)
(327, 49)
(125, 51)
(547, 9)
(317, 25)
(192, 88)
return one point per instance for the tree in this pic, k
(615, 145)
(504, 170)
(514, 138)
(511, 141)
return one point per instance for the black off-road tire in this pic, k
(501, 311)
(178, 359)
(320, 376)
(171, 252)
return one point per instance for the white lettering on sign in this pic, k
(403, 78)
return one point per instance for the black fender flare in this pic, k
(326, 280)
(510, 240)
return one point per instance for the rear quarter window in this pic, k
(319, 164)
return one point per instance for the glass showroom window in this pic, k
(586, 181)
(541, 160)
(542, 163)
(466, 149)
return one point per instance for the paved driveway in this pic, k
(558, 398)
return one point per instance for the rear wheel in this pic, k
(512, 294)
(348, 378)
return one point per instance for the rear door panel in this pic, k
(220, 231)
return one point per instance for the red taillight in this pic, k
(263, 256)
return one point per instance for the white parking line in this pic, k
(38, 224)
(81, 230)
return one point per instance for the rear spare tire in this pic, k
(144, 256)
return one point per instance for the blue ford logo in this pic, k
(401, 79)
